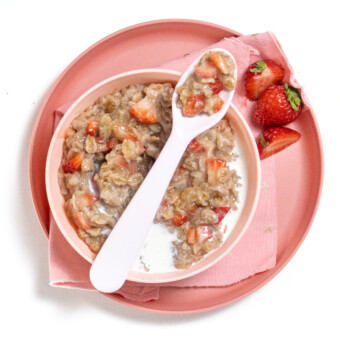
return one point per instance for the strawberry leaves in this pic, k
(259, 67)
(293, 97)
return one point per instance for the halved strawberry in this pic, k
(194, 105)
(218, 103)
(179, 219)
(195, 146)
(92, 127)
(80, 220)
(218, 60)
(111, 143)
(206, 70)
(86, 200)
(213, 165)
(276, 139)
(199, 234)
(216, 86)
(73, 164)
(260, 75)
(145, 111)
(220, 212)
(122, 132)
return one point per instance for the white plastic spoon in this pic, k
(121, 249)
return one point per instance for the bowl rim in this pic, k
(133, 275)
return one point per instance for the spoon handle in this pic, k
(121, 249)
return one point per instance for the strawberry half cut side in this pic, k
(276, 139)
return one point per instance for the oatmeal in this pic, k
(200, 92)
(109, 149)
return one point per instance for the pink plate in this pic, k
(299, 173)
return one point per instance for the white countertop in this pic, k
(38, 39)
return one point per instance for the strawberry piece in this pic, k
(145, 111)
(111, 143)
(179, 219)
(213, 165)
(118, 161)
(194, 105)
(73, 164)
(179, 170)
(92, 127)
(123, 132)
(165, 203)
(191, 236)
(276, 139)
(260, 75)
(199, 234)
(218, 103)
(206, 70)
(216, 86)
(278, 105)
(191, 209)
(204, 233)
(195, 146)
(86, 200)
(132, 167)
(80, 220)
(220, 212)
(100, 140)
(218, 60)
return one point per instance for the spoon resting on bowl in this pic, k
(121, 249)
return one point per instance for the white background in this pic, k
(37, 41)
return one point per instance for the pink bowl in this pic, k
(54, 157)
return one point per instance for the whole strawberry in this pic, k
(278, 105)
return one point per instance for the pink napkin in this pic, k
(256, 251)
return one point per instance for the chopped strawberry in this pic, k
(100, 140)
(278, 105)
(218, 103)
(195, 146)
(194, 105)
(118, 161)
(179, 219)
(220, 212)
(216, 86)
(145, 111)
(86, 200)
(123, 132)
(206, 70)
(92, 127)
(191, 235)
(191, 209)
(80, 220)
(204, 233)
(213, 165)
(132, 167)
(179, 170)
(276, 139)
(165, 203)
(111, 143)
(260, 75)
(199, 234)
(73, 164)
(218, 60)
